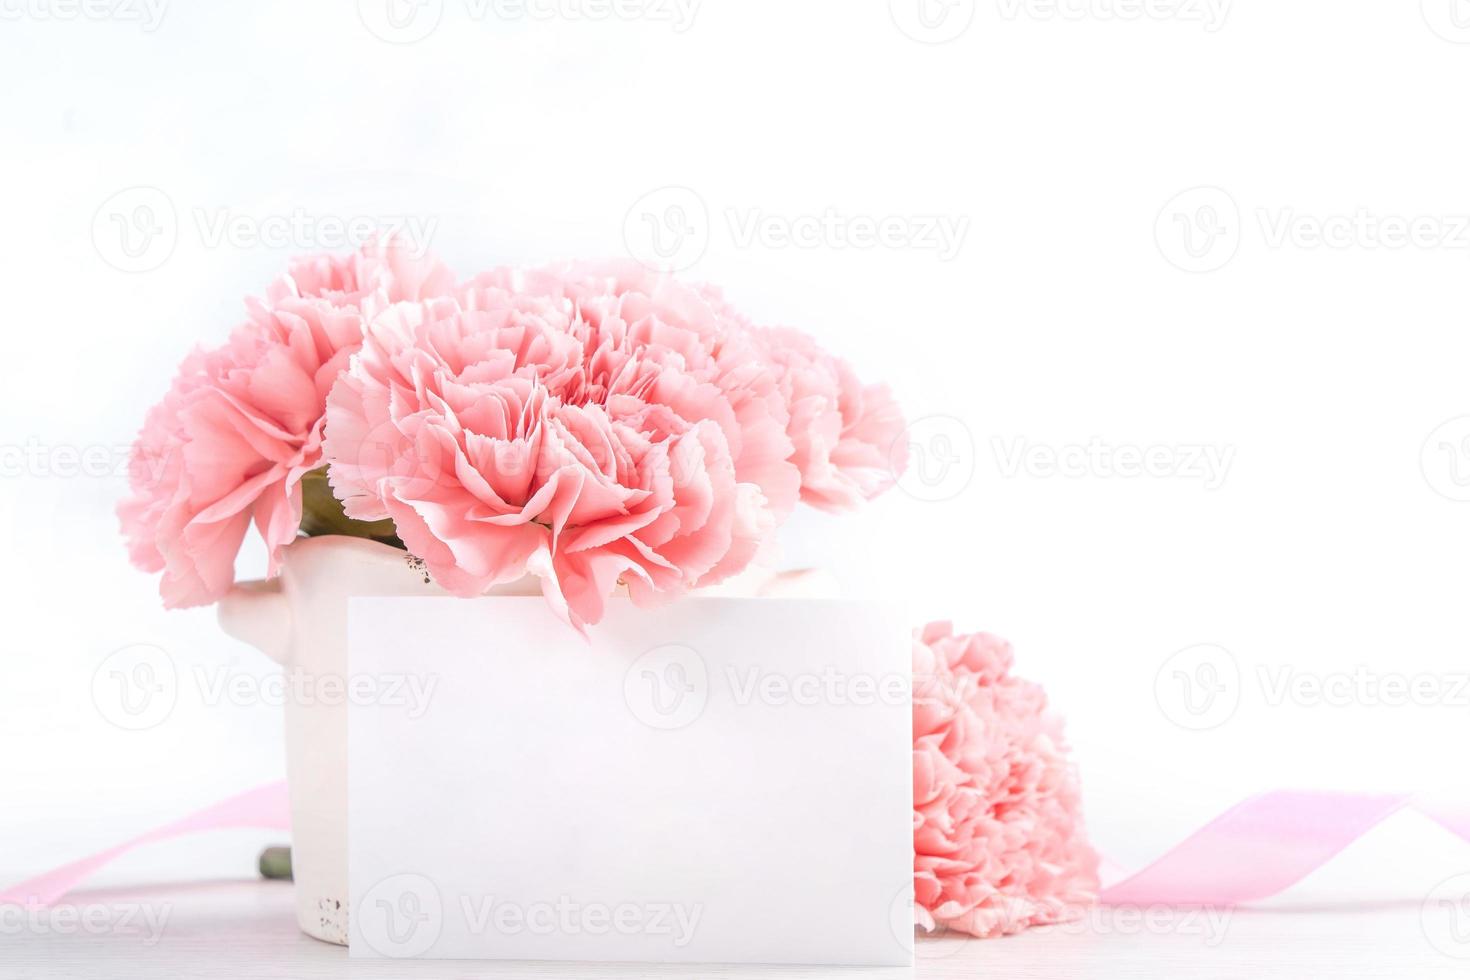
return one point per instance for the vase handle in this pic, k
(257, 613)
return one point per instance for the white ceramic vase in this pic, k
(300, 620)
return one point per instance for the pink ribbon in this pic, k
(1257, 849)
(1264, 845)
(266, 807)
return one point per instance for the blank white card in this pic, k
(717, 780)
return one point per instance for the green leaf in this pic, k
(321, 513)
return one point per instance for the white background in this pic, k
(1060, 139)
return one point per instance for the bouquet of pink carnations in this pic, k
(588, 424)
(596, 426)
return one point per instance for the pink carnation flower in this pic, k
(507, 433)
(623, 306)
(242, 424)
(998, 836)
(843, 438)
(847, 435)
(389, 271)
(593, 424)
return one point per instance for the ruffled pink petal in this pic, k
(999, 843)
(243, 423)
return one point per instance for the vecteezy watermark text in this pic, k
(829, 686)
(137, 687)
(143, 920)
(564, 916)
(410, 21)
(1209, 924)
(939, 21)
(404, 915)
(1201, 687)
(1209, 464)
(1210, 14)
(1201, 230)
(669, 228)
(147, 14)
(669, 686)
(1362, 228)
(941, 234)
(295, 685)
(138, 228)
(63, 461)
(300, 228)
(1362, 687)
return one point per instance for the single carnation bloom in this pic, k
(999, 844)
(847, 435)
(391, 270)
(504, 435)
(242, 424)
(622, 306)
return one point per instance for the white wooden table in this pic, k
(247, 929)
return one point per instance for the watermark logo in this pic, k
(901, 918)
(401, 916)
(678, 14)
(1450, 19)
(670, 229)
(136, 229)
(675, 922)
(1361, 687)
(942, 234)
(668, 687)
(136, 687)
(1199, 229)
(1203, 686)
(66, 461)
(932, 21)
(413, 694)
(922, 944)
(301, 229)
(410, 21)
(1208, 924)
(128, 919)
(147, 14)
(828, 686)
(1445, 459)
(1210, 14)
(1207, 464)
(1362, 229)
(1198, 688)
(1445, 917)
(667, 229)
(139, 686)
(400, 21)
(934, 458)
